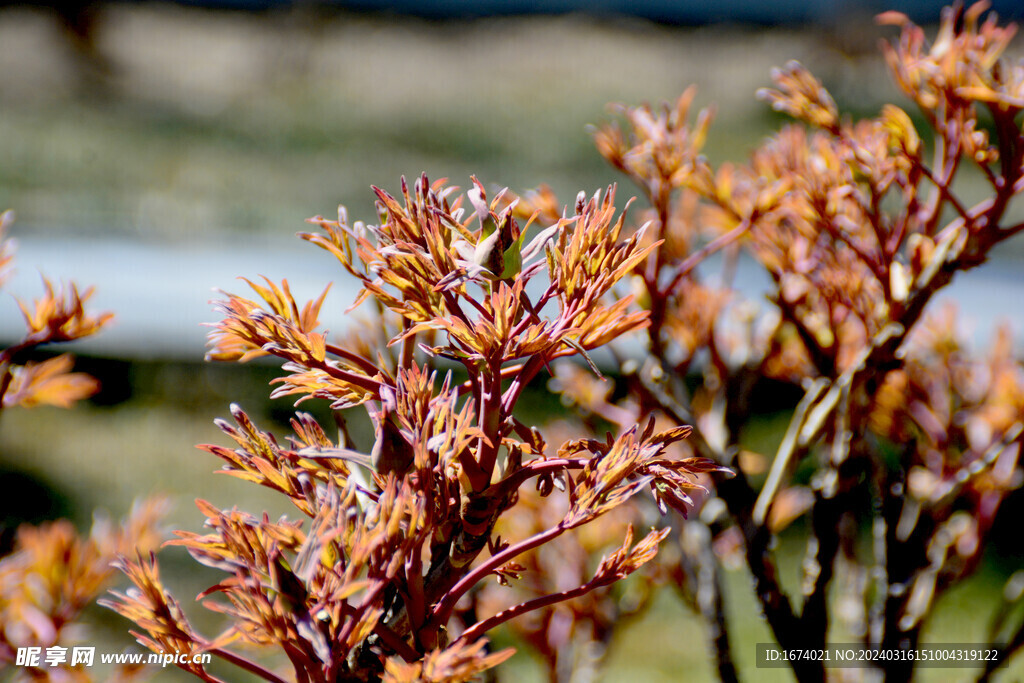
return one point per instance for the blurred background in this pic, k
(158, 151)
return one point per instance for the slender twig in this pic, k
(699, 256)
(352, 357)
(481, 627)
(538, 468)
(947, 161)
(873, 264)
(361, 381)
(395, 642)
(525, 375)
(978, 466)
(945, 191)
(712, 607)
(442, 611)
(249, 665)
(823, 362)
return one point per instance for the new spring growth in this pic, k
(391, 452)
(500, 248)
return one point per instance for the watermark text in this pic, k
(85, 656)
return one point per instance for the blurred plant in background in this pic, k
(52, 574)
(57, 316)
(47, 582)
(908, 436)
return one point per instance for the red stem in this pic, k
(354, 358)
(697, 257)
(510, 371)
(351, 624)
(501, 617)
(360, 381)
(243, 663)
(490, 419)
(395, 642)
(538, 468)
(526, 374)
(442, 611)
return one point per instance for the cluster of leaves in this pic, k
(52, 574)
(858, 225)
(57, 316)
(572, 636)
(377, 577)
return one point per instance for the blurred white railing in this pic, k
(160, 293)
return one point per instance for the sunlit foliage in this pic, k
(858, 224)
(369, 581)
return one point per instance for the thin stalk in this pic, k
(481, 627)
(354, 358)
(395, 642)
(510, 371)
(539, 467)
(243, 663)
(442, 611)
(699, 256)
